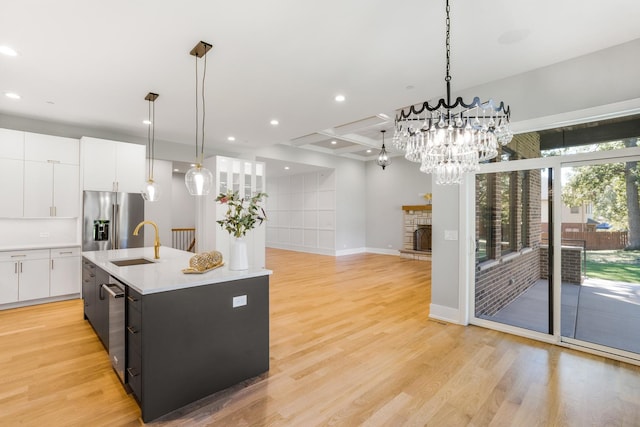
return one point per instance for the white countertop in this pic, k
(166, 273)
(38, 246)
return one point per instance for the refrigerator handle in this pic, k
(116, 223)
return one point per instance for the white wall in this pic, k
(23, 232)
(351, 184)
(387, 191)
(160, 211)
(301, 212)
(183, 205)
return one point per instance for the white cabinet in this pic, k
(8, 281)
(40, 175)
(66, 268)
(112, 166)
(11, 172)
(11, 187)
(51, 189)
(24, 271)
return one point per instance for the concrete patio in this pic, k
(598, 311)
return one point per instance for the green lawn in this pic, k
(622, 266)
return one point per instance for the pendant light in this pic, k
(198, 179)
(383, 158)
(151, 191)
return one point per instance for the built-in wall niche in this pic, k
(301, 212)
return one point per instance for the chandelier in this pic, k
(451, 138)
(383, 158)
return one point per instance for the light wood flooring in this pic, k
(351, 345)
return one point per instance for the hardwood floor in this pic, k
(351, 344)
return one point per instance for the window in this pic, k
(484, 232)
(503, 209)
(575, 209)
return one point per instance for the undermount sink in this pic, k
(131, 261)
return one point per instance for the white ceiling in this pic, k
(90, 63)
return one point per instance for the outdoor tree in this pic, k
(612, 188)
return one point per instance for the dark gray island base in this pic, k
(185, 344)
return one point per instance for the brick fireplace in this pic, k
(416, 242)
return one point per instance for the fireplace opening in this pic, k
(422, 238)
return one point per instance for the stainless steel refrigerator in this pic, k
(109, 220)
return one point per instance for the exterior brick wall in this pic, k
(498, 285)
(503, 278)
(571, 267)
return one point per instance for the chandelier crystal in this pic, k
(451, 138)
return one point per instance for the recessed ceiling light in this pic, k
(340, 98)
(274, 122)
(334, 142)
(231, 138)
(368, 151)
(6, 50)
(12, 95)
(287, 168)
(176, 170)
(146, 122)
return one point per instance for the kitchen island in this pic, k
(187, 335)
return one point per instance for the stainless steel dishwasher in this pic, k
(115, 290)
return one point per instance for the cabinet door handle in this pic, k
(18, 256)
(52, 264)
(16, 267)
(66, 253)
(132, 330)
(132, 372)
(132, 299)
(20, 266)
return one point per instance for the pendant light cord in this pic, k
(197, 114)
(153, 138)
(448, 53)
(200, 153)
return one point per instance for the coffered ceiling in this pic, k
(91, 63)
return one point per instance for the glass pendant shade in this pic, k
(151, 191)
(199, 181)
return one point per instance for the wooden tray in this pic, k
(193, 271)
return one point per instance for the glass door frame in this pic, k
(467, 218)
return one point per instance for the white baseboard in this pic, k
(353, 251)
(444, 313)
(317, 251)
(382, 251)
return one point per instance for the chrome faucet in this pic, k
(156, 242)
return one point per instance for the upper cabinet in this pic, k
(112, 166)
(11, 172)
(41, 175)
(51, 176)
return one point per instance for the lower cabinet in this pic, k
(96, 300)
(24, 275)
(65, 271)
(38, 274)
(186, 344)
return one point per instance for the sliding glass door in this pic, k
(601, 254)
(512, 263)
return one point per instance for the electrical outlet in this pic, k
(239, 301)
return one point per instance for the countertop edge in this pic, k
(39, 246)
(172, 270)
